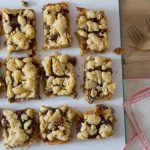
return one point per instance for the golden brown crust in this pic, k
(55, 142)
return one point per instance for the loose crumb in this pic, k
(119, 51)
(24, 3)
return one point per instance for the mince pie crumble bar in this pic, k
(59, 75)
(96, 123)
(22, 75)
(19, 29)
(56, 124)
(92, 32)
(18, 127)
(98, 78)
(56, 26)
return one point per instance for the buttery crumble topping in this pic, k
(56, 123)
(98, 78)
(92, 32)
(56, 26)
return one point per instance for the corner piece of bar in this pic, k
(96, 123)
(92, 30)
(19, 127)
(19, 29)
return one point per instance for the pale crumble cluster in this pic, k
(92, 30)
(98, 78)
(96, 123)
(19, 28)
(56, 26)
(56, 123)
(59, 75)
(18, 127)
(22, 77)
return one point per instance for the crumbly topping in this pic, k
(56, 26)
(92, 30)
(59, 75)
(18, 127)
(98, 78)
(96, 123)
(56, 123)
(19, 28)
(22, 76)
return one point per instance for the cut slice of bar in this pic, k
(92, 32)
(98, 78)
(59, 75)
(19, 28)
(96, 123)
(56, 26)
(18, 127)
(55, 124)
(22, 78)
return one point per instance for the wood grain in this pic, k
(133, 12)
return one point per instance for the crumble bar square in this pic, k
(92, 32)
(19, 29)
(98, 78)
(96, 123)
(59, 75)
(18, 127)
(22, 75)
(56, 124)
(56, 26)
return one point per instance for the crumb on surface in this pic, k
(119, 51)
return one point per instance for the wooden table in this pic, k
(138, 63)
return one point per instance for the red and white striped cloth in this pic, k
(135, 143)
(137, 108)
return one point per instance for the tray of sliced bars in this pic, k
(60, 82)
